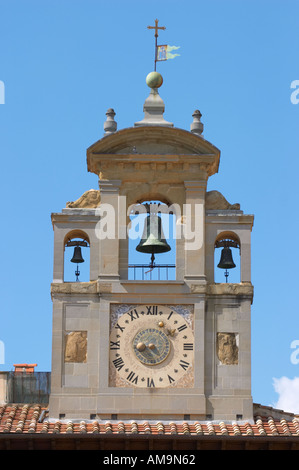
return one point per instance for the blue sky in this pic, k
(64, 63)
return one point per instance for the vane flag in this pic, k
(163, 52)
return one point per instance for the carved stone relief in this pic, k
(90, 199)
(227, 348)
(216, 201)
(75, 346)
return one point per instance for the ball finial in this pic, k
(154, 80)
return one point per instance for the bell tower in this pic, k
(145, 338)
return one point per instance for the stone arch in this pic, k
(228, 235)
(149, 191)
(76, 233)
(164, 261)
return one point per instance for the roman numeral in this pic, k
(188, 346)
(133, 314)
(152, 310)
(170, 379)
(184, 364)
(169, 315)
(132, 378)
(182, 327)
(118, 327)
(119, 363)
(150, 382)
(114, 345)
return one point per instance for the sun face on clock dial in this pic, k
(151, 346)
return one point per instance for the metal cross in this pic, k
(156, 28)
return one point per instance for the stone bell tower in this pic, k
(132, 346)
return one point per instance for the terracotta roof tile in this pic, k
(173, 428)
(210, 428)
(23, 419)
(223, 428)
(198, 428)
(295, 422)
(120, 428)
(236, 429)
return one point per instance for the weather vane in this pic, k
(162, 52)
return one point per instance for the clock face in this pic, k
(151, 346)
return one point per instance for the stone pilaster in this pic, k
(194, 218)
(109, 223)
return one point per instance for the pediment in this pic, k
(152, 141)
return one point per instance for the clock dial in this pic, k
(151, 346)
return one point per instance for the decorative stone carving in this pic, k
(227, 349)
(75, 346)
(216, 201)
(90, 198)
(110, 124)
(196, 126)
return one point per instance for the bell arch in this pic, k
(164, 193)
(227, 257)
(76, 256)
(151, 239)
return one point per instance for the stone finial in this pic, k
(154, 105)
(110, 124)
(196, 126)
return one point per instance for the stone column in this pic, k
(245, 268)
(194, 219)
(58, 260)
(109, 228)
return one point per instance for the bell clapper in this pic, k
(152, 264)
(77, 274)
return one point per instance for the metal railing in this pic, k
(143, 272)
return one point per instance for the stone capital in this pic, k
(110, 186)
(198, 187)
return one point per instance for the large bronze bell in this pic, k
(153, 241)
(226, 260)
(77, 256)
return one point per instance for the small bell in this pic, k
(77, 258)
(226, 260)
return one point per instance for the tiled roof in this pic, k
(33, 419)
